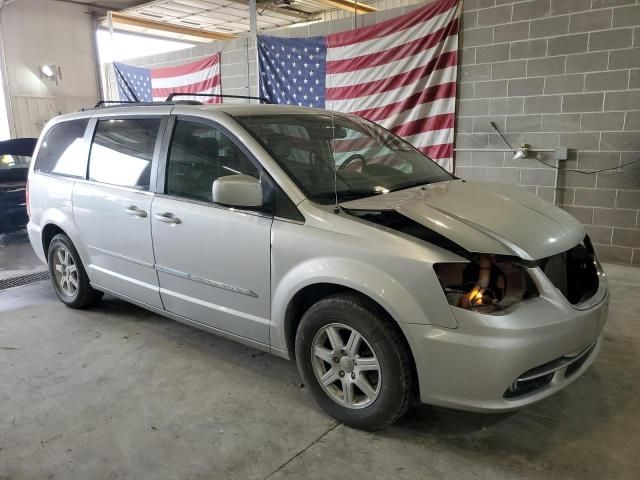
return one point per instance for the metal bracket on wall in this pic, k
(560, 154)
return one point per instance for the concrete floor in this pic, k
(117, 392)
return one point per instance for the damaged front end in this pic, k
(485, 284)
(490, 283)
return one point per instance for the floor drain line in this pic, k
(23, 280)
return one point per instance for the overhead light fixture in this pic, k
(48, 70)
(51, 72)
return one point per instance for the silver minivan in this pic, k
(321, 237)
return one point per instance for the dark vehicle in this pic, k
(15, 158)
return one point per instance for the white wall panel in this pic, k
(37, 32)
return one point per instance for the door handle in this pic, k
(135, 211)
(167, 218)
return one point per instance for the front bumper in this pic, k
(476, 366)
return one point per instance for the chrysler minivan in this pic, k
(324, 238)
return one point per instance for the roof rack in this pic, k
(170, 100)
(110, 102)
(215, 95)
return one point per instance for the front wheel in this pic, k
(355, 363)
(68, 276)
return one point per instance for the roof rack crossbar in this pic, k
(216, 95)
(110, 102)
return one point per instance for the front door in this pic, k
(213, 262)
(112, 208)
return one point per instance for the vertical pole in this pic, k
(6, 88)
(253, 40)
(96, 58)
(556, 182)
(355, 14)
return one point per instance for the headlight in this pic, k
(486, 284)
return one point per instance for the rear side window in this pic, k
(122, 152)
(63, 151)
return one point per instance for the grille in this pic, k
(574, 272)
(23, 280)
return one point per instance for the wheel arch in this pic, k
(52, 226)
(49, 231)
(304, 298)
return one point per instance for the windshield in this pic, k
(345, 155)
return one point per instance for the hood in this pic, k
(484, 217)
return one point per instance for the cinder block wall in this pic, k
(549, 73)
(556, 73)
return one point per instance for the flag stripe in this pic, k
(448, 59)
(437, 152)
(421, 125)
(388, 27)
(187, 79)
(426, 96)
(401, 65)
(433, 137)
(168, 72)
(199, 87)
(396, 52)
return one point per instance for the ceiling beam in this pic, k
(350, 6)
(287, 10)
(124, 19)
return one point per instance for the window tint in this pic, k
(199, 154)
(122, 152)
(63, 151)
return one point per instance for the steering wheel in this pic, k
(351, 159)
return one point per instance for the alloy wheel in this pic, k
(346, 366)
(65, 272)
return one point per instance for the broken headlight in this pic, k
(486, 284)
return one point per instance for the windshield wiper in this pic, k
(345, 196)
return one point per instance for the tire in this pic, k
(68, 276)
(391, 388)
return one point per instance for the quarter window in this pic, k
(63, 151)
(200, 154)
(122, 152)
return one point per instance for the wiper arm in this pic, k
(412, 185)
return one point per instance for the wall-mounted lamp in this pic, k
(522, 152)
(51, 72)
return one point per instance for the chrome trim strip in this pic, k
(111, 185)
(121, 257)
(561, 363)
(212, 205)
(179, 318)
(206, 281)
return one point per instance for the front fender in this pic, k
(373, 282)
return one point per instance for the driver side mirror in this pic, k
(237, 191)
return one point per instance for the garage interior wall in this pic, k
(549, 73)
(35, 33)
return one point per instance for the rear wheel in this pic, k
(68, 276)
(354, 362)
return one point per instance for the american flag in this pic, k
(400, 73)
(156, 84)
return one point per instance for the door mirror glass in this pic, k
(237, 191)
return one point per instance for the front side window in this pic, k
(341, 155)
(122, 152)
(199, 154)
(63, 150)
